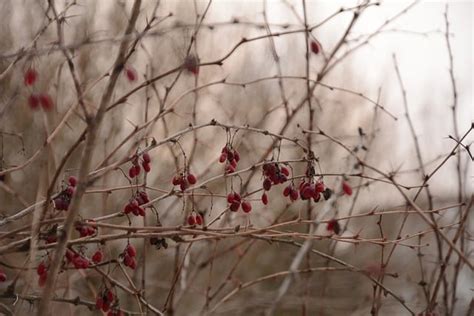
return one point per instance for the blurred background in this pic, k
(258, 92)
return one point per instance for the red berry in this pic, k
(333, 225)
(41, 269)
(234, 207)
(110, 296)
(307, 192)
(183, 185)
(131, 251)
(144, 196)
(72, 181)
(294, 195)
(146, 167)
(33, 101)
(128, 208)
(46, 101)
(105, 307)
(223, 157)
(319, 187)
(69, 191)
(131, 172)
(192, 178)
(137, 169)
(98, 256)
(191, 63)
(237, 197)
(146, 157)
(42, 279)
(69, 255)
(230, 198)
(133, 264)
(176, 180)
(314, 47)
(131, 73)
(191, 220)
(236, 156)
(264, 199)
(287, 191)
(30, 77)
(246, 206)
(267, 184)
(198, 219)
(285, 171)
(3, 277)
(230, 169)
(346, 188)
(99, 303)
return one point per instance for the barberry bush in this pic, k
(254, 157)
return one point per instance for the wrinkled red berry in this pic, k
(264, 199)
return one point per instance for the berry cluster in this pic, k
(230, 157)
(134, 205)
(129, 255)
(77, 260)
(37, 99)
(273, 175)
(184, 180)
(42, 271)
(85, 230)
(61, 202)
(290, 191)
(135, 168)
(194, 219)
(105, 300)
(310, 190)
(235, 202)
